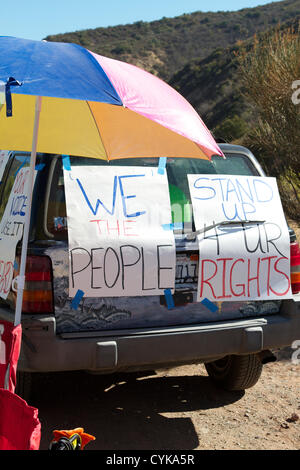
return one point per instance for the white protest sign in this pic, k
(4, 156)
(240, 261)
(11, 228)
(117, 245)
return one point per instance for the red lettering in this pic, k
(287, 277)
(224, 278)
(128, 228)
(269, 258)
(122, 227)
(98, 224)
(6, 273)
(20, 182)
(256, 278)
(110, 228)
(240, 260)
(251, 273)
(2, 266)
(206, 281)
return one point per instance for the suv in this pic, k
(114, 334)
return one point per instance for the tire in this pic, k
(24, 385)
(235, 373)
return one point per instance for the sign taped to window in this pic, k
(117, 244)
(239, 259)
(11, 228)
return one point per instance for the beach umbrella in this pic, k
(61, 98)
(93, 106)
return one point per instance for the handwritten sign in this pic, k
(11, 228)
(4, 156)
(117, 244)
(240, 260)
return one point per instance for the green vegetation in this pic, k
(212, 85)
(167, 45)
(268, 70)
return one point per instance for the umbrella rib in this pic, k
(107, 155)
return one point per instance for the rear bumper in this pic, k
(112, 351)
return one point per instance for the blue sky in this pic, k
(35, 19)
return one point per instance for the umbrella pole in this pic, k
(21, 276)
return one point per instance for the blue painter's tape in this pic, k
(162, 165)
(176, 226)
(169, 299)
(40, 166)
(208, 304)
(76, 300)
(10, 82)
(66, 162)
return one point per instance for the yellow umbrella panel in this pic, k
(90, 129)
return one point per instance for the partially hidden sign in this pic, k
(11, 228)
(239, 260)
(117, 243)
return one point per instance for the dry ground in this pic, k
(266, 416)
(177, 409)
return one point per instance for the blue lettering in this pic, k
(221, 187)
(204, 187)
(18, 205)
(232, 190)
(269, 196)
(245, 208)
(94, 211)
(236, 215)
(241, 188)
(136, 214)
(248, 211)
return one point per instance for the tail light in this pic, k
(38, 293)
(295, 267)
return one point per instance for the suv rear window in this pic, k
(55, 223)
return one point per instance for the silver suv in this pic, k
(137, 333)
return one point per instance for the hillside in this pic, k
(165, 46)
(197, 54)
(212, 86)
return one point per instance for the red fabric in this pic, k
(10, 345)
(20, 428)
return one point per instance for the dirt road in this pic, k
(178, 409)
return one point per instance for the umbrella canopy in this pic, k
(94, 106)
